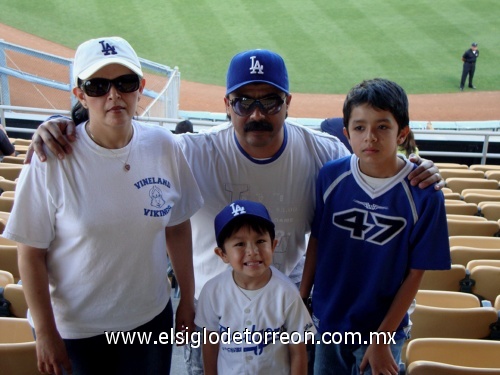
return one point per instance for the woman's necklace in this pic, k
(126, 165)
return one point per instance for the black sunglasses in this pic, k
(245, 106)
(100, 86)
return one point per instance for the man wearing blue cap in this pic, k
(469, 58)
(258, 155)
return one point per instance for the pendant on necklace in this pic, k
(127, 167)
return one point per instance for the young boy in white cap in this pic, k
(252, 299)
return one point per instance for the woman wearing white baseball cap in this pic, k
(93, 230)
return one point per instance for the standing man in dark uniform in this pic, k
(469, 58)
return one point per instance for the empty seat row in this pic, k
(474, 167)
(445, 356)
(487, 209)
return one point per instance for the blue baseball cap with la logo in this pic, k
(237, 209)
(257, 66)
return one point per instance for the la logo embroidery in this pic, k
(256, 68)
(107, 49)
(237, 210)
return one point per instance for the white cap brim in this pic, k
(87, 73)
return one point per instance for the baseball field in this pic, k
(329, 45)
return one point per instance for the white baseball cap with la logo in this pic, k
(94, 54)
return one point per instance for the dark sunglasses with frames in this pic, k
(269, 105)
(96, 87)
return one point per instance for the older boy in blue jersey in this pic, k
(372, 237)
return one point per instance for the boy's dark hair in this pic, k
(257, 224)
(381, 94)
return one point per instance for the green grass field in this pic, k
(328, 45)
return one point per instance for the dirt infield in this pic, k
(460, 106)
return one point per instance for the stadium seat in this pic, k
(471, 227)
(7, 185)
(5, 278)
(475, 241)
(490, 210)
(451, 166)
(449, 194)
(441, 356)
(485, 167)
(437, 368)
(21, 142)
(431, 321)
(480, 191)
(497, 303)
(21, 148)
(6, 241)
(13, 159)
(463, 255)
(458, 184)
(6, 203)
(4, 215)
(467, 323)
(17, 347)
(478, 198)
(443, 279)
(482, 262)
(447, 173)
(10, 165)
(452, 196)
(14, 293)
(492, 175)
(454, 201)
(487, 282)
(465, 217)
(460, 208)
(447, 299)
(10, 171)
(8, 261)
(8, 194)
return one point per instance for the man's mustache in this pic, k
(258, 126)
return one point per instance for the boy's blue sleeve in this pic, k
(429, 242)
(320, 204)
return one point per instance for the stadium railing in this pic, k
(50, 77)
(203, 121)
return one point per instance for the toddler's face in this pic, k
(250, 254)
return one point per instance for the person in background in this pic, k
(184, 126)
(469, 58)
(408, 146)
(335, 126)
(6, 147)
(94, 230)
(258, 155)
(372, 238)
